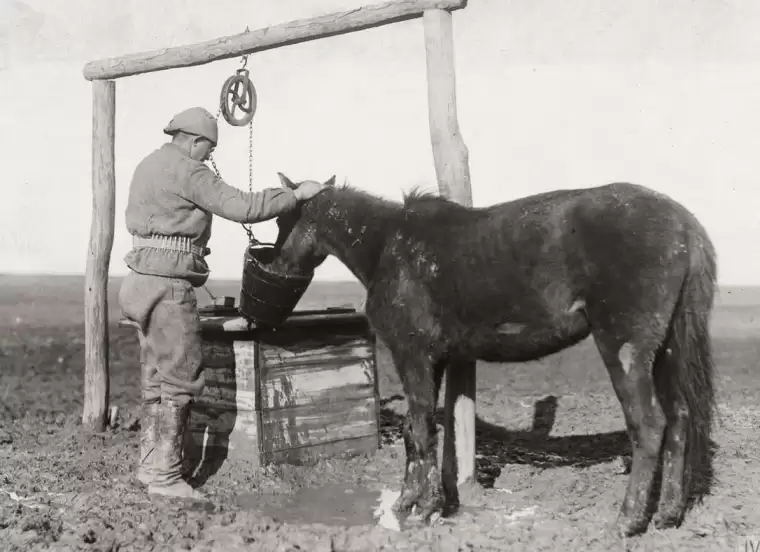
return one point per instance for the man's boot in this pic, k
(148, 442)
(151, 397)
(167, 468)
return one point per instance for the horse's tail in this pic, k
(689, 371)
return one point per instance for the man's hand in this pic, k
(308, 189)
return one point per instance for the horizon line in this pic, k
(230, 279)
(82, 275)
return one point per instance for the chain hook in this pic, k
(251, 238)
(244, 58)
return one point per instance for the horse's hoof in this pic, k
(431, 506)
(405, 502)
(667, 518)
(630, 527)
(428, 513)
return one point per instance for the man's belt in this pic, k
(173, 243)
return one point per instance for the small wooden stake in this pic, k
(452, 170)
(113, 416)
(95, 413)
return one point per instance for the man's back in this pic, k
(157, 201)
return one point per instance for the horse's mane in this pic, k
(357, 194)
(417, 196)
(417, 207)
(432, 205)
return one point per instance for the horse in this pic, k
(520, 280)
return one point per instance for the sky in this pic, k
(550, 94)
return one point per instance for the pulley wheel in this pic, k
(238, 98)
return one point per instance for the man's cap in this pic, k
(195, 120)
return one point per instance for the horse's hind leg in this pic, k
(449, 466)
(630, 367)
(672, 503)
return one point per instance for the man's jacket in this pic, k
(173, 195)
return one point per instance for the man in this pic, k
(172, 199)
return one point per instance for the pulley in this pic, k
(238, 92)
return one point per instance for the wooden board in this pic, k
(225, 420)
(308, 455)
(317, 424)
(222, 433)
(228, 323)
(316, 376)
(230, 372)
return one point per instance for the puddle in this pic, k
(342, 504)
(333, 504)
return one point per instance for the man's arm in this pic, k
(213, 194)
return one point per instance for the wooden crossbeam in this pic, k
(267, 38)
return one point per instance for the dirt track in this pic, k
(553, 483)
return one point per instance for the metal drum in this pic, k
(268, 297)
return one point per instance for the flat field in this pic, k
(551, 447)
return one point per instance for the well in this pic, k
(305, 390)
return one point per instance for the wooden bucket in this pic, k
(268, 297)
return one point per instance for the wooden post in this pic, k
(94, 415)
(453, 173)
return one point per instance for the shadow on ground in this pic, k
(497, 447)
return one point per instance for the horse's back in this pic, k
(624, 220)
(630, 224)
(541, 253)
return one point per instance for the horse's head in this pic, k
(297, 250)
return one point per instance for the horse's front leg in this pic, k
(422, 480)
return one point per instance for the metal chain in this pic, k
(248, 231)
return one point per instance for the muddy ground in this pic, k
(551, 453)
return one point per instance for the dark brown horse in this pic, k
(520, 280)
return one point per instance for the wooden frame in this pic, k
(449, 153)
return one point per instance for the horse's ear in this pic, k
(286, 182)
(330, 181)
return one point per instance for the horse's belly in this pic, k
(515, 342)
